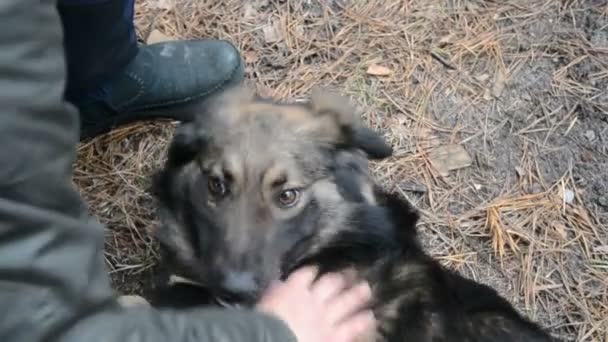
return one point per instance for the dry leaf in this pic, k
(600, 249)
(378, 70)
(249, 11)
(157, 37)
(250, 56)
(299, 30)
(261, 3)
(449, 157)
(447, 39)
(272, 32)
(560, 229)
(264, 91)
(487, 94)
(161, 4)
(499, 84)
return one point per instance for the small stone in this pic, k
(535, 188)
(581, 183)
(603, 201)
(487, 94)
(587, 156)
(413, 187)
(482, 77)
(568, 196)
(471, 6)
(590, 135)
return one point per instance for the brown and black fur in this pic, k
(343, 223)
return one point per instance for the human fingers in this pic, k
(348, 303)
(304, 275)
(353, 329)
(328, 287)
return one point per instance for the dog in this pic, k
(253, 189)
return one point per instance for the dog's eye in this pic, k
(217, 186)
(288, 198)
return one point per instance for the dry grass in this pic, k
(519, 83)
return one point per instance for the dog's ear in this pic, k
(189, 140)
(338, 122)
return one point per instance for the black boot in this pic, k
(113, 81)
(162, 78)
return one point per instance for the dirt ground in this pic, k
(498, 112)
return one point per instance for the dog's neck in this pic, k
(359, 248)
(378, 233)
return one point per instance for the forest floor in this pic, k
(497, 110)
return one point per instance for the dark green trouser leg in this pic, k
(53, 285)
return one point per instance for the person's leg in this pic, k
(112, 81)
(99, 41)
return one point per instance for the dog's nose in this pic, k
(239, 281)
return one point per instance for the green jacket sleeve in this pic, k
(53, 284)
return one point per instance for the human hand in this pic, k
(323, 311)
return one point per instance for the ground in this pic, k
(498, 112)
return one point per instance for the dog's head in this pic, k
(251, 183)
